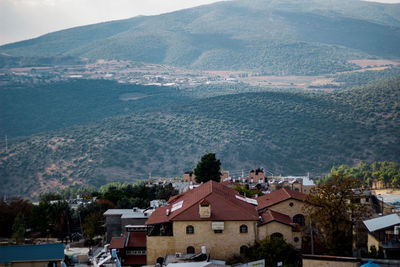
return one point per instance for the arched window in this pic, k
(243, 249)
(190, 250)
(276, 235)
(243, 228)
(189, 229)
(296, 239)
(299, 219)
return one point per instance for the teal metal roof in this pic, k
(40, 252)
(370, 264)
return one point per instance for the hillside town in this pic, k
(211, 223)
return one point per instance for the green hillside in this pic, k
(32, 109)
(288, 133)
(277, 37)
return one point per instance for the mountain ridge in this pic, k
(236, 35)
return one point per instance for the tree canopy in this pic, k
(208, 169)
(335, 208)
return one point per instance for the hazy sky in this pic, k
(24, 19)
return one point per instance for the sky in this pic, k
(25, 19)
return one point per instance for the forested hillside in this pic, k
(275, 37)
(288, 133)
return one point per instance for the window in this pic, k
(160, 260)
(243, 228)
(276, 235)
(291, 204)
(243, 249)
(190, 250)
(218, 231)
(189, 229)
(299, 219)
(296, 239)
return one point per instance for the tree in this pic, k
(272, 250)
(207, 169)
(18, 228)
(335, 208)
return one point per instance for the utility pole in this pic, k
(312, 241)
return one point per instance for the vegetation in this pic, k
(18, 228)
(208, 169)
(272, 37)
(55, 218)
(272, 250)
(335, 208)
(386, 172)
(282, 131)
(27, 110)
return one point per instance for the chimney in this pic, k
(204, 209)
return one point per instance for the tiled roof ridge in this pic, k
(275, 217)
(239, 206)
(188, 207)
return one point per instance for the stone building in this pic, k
(282, 215)
(257, 176)
(117, 219)
(210, 215)
(301, 184)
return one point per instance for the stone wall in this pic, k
(219, 245)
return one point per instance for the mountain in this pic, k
(276, 37)
(287, 133)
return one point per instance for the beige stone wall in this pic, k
(307, 188)
(276, 227)
(220, 246)
(285, 208)
(159, 246)
(372, 242)
(325, 263)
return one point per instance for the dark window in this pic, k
(296, 189)
(243, 228)
(291, 204)
(160, 260)
(190, 250)
(243, 249)
(296, 239)
(276, 235)
(218, 231)
(299, 219)
(189, 229)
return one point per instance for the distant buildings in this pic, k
(118, 219)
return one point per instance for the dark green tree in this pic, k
(208, 169)
(272, 250)
(19, 228)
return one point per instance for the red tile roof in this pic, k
(137, 259)
(225, 206)
(117, 242)
(137, 239)
(278, 196)
(270, 216)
